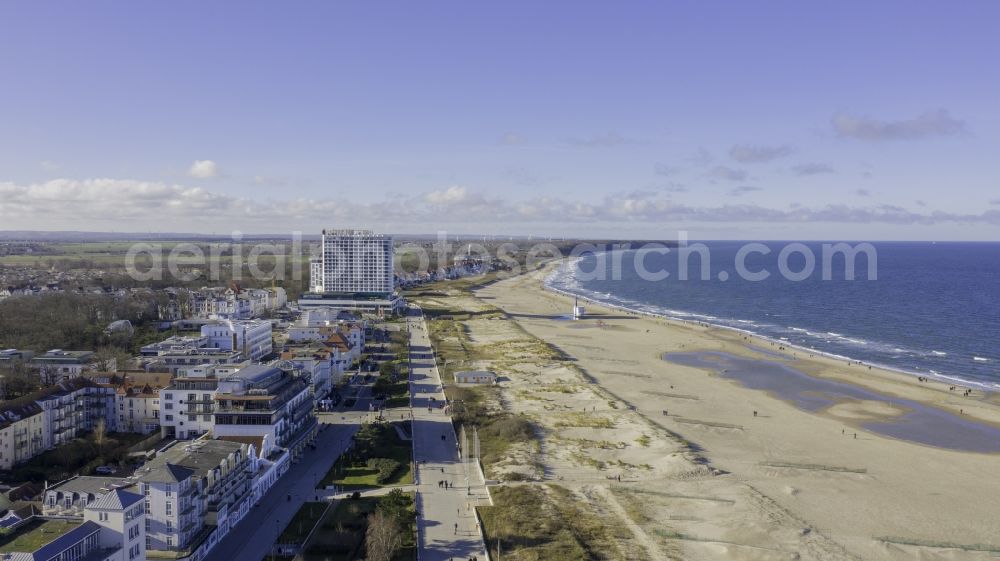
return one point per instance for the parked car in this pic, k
(105, 470)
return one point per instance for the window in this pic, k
(168, 506)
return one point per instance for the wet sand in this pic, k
(904, 419)
(897, 491)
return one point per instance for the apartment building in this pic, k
(70, 497)
(22, 431)
(109, 528)
(75, 406)
(187, 405)
(323, 366)
(10, 358)
(191, 488)
(252, 338)
(176, 361)
(57, 364)
(174, 344)
(266, 402)
(51, 417)
(237, 303)
(356, 262)
(137, 408)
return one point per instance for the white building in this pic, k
(355, 262)
(316, 275)
(52, 417)
(191, 485)
(188, 404)
(324, 366)
(105, 525)
(73, 407)
(174, 344)
(266, 402)
(252, 338)
(58, 364)
(137, 409)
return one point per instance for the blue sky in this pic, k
(848, 120)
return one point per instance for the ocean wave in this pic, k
(831, 344)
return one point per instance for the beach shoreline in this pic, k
(867, 491)
(873, 377)
(947, 379)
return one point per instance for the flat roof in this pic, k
(253, 372)
(90, 484)
(185, 458)
(34, 536)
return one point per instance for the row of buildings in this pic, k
(51, 417)
(191, 385)
(178, 505)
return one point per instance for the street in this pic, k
(447, 527)
(252, 538)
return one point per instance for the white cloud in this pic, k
(204, 169)
(606, 140)
(743, 190)
(931, 123)
(748, 153)
(131, 205)
(812, 168)
(451, 195)
(727, 173)
(511, 139)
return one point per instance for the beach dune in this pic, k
(824, 470)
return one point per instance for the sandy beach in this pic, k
(713, 469)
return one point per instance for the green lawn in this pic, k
(302, 523)
(547, 524)
(80, 455)
(36, 534)
(340, 537)
(350, 472)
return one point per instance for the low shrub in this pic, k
(386, 467)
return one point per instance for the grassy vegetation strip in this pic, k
(302, 523)
(687, 421)
(340, 536)
(559, 527)
(675, 395)
(669, 535)
(814, 467)
(939, 545)
(635, 491)
(352, 471)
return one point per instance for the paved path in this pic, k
(448, 527)
(252, 538)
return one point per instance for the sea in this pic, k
(931, 309)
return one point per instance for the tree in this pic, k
(396, 505)
(111, 359)
(383, 538)
(100, 435)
